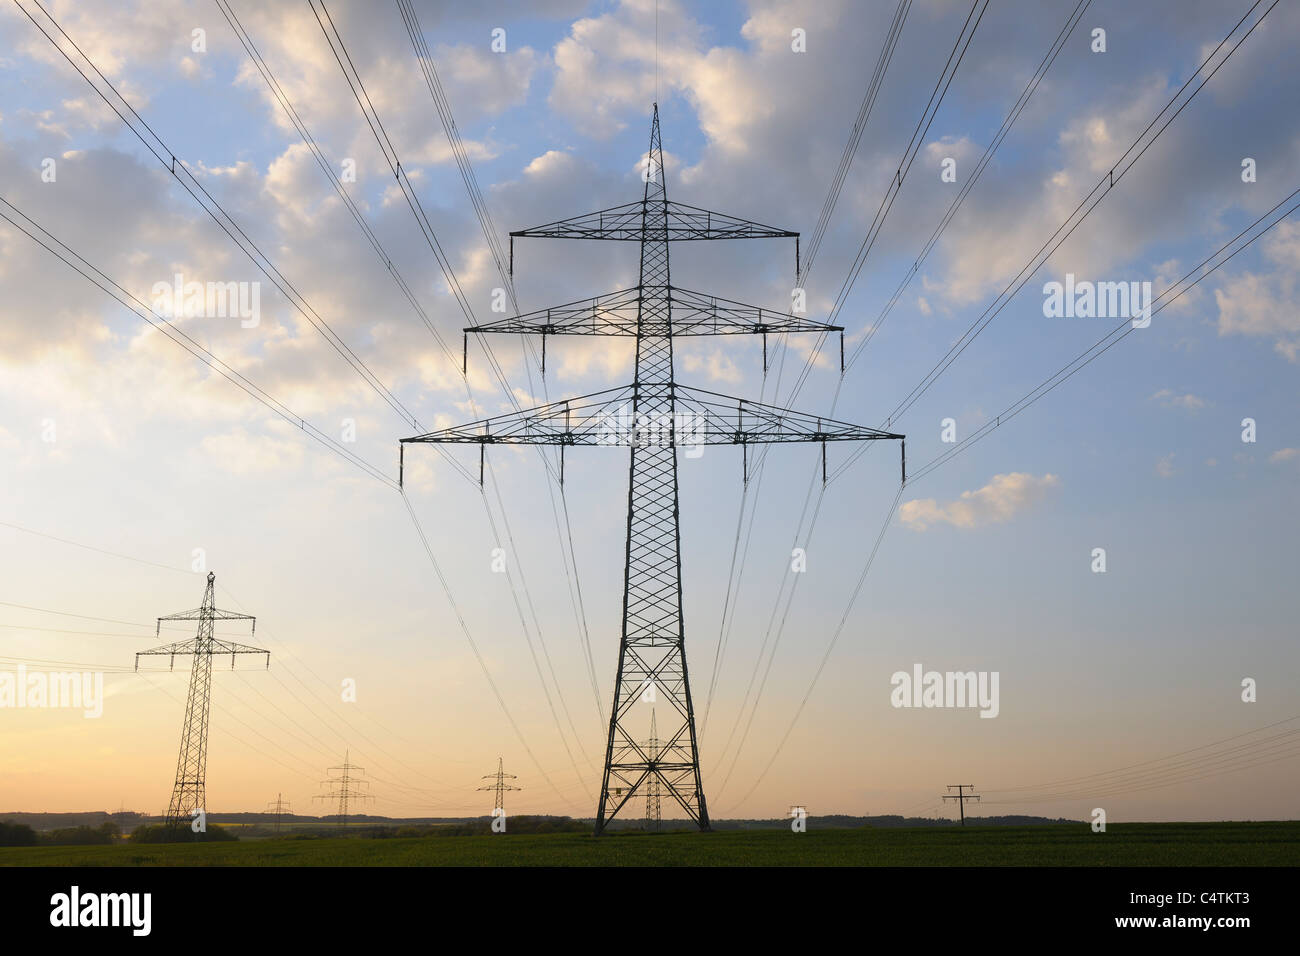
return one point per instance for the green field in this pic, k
(1133, 844)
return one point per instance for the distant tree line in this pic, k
(20, 834)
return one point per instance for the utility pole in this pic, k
(190, 792)
(499, 786)
(278, 807)
(345, 787)
(653, 416)
(961, 797)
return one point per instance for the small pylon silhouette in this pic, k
(345, 787)
(279, 807)
(499, 785)
(654, 791)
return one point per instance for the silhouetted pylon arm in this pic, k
(693, 313)
(624, 223)
(700, 417)
(212, 613)
(214, 647)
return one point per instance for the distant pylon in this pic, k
(654, 792)
(190, 792)
(961, 797)
(345, 787)
(499, 787)
(278, 807)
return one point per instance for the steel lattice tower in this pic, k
(345, 787)
(499, 787)
(654, 415)
(653, 790)
(279, 807)
(190, 792)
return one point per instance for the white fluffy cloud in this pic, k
(1171, 399)
(1267, 305)
(998, 501)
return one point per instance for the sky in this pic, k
(130, 468)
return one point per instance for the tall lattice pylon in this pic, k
(190, 791)
(654, 416)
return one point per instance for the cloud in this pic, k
(480, 82)
(1171, 399)
(1284, 454)
(1267, 305)
(996, 502)
(714, 364)
(1165, 466)
(242, 453)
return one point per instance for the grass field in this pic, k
(1133, 844)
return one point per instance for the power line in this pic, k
(164, 325)
(1027, 271)
(1143, 763)
(569, 560)
(960, 45)
(930, 467)
(910, 153)
(353, 209)
(218, 213)
(855, 137)
(451, 599)
(1017, 108)
(1102, 189)
(1106, 342)
(322, 716)
(1048, 59)
(263, 263)
(439, 95)
(362, 97)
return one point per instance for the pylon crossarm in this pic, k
(693, 314)
(214, 648)
(713, 418)
(204, 614)
(613, 313)
(570, 422)
(615, 222)
(699, 313)
(625, 223)
(699, 417)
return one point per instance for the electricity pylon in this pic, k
(654, 415)
(499, 786)
(345, 787)
(653, 789)
(190, 791)
(961, 796)
(279, 807)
